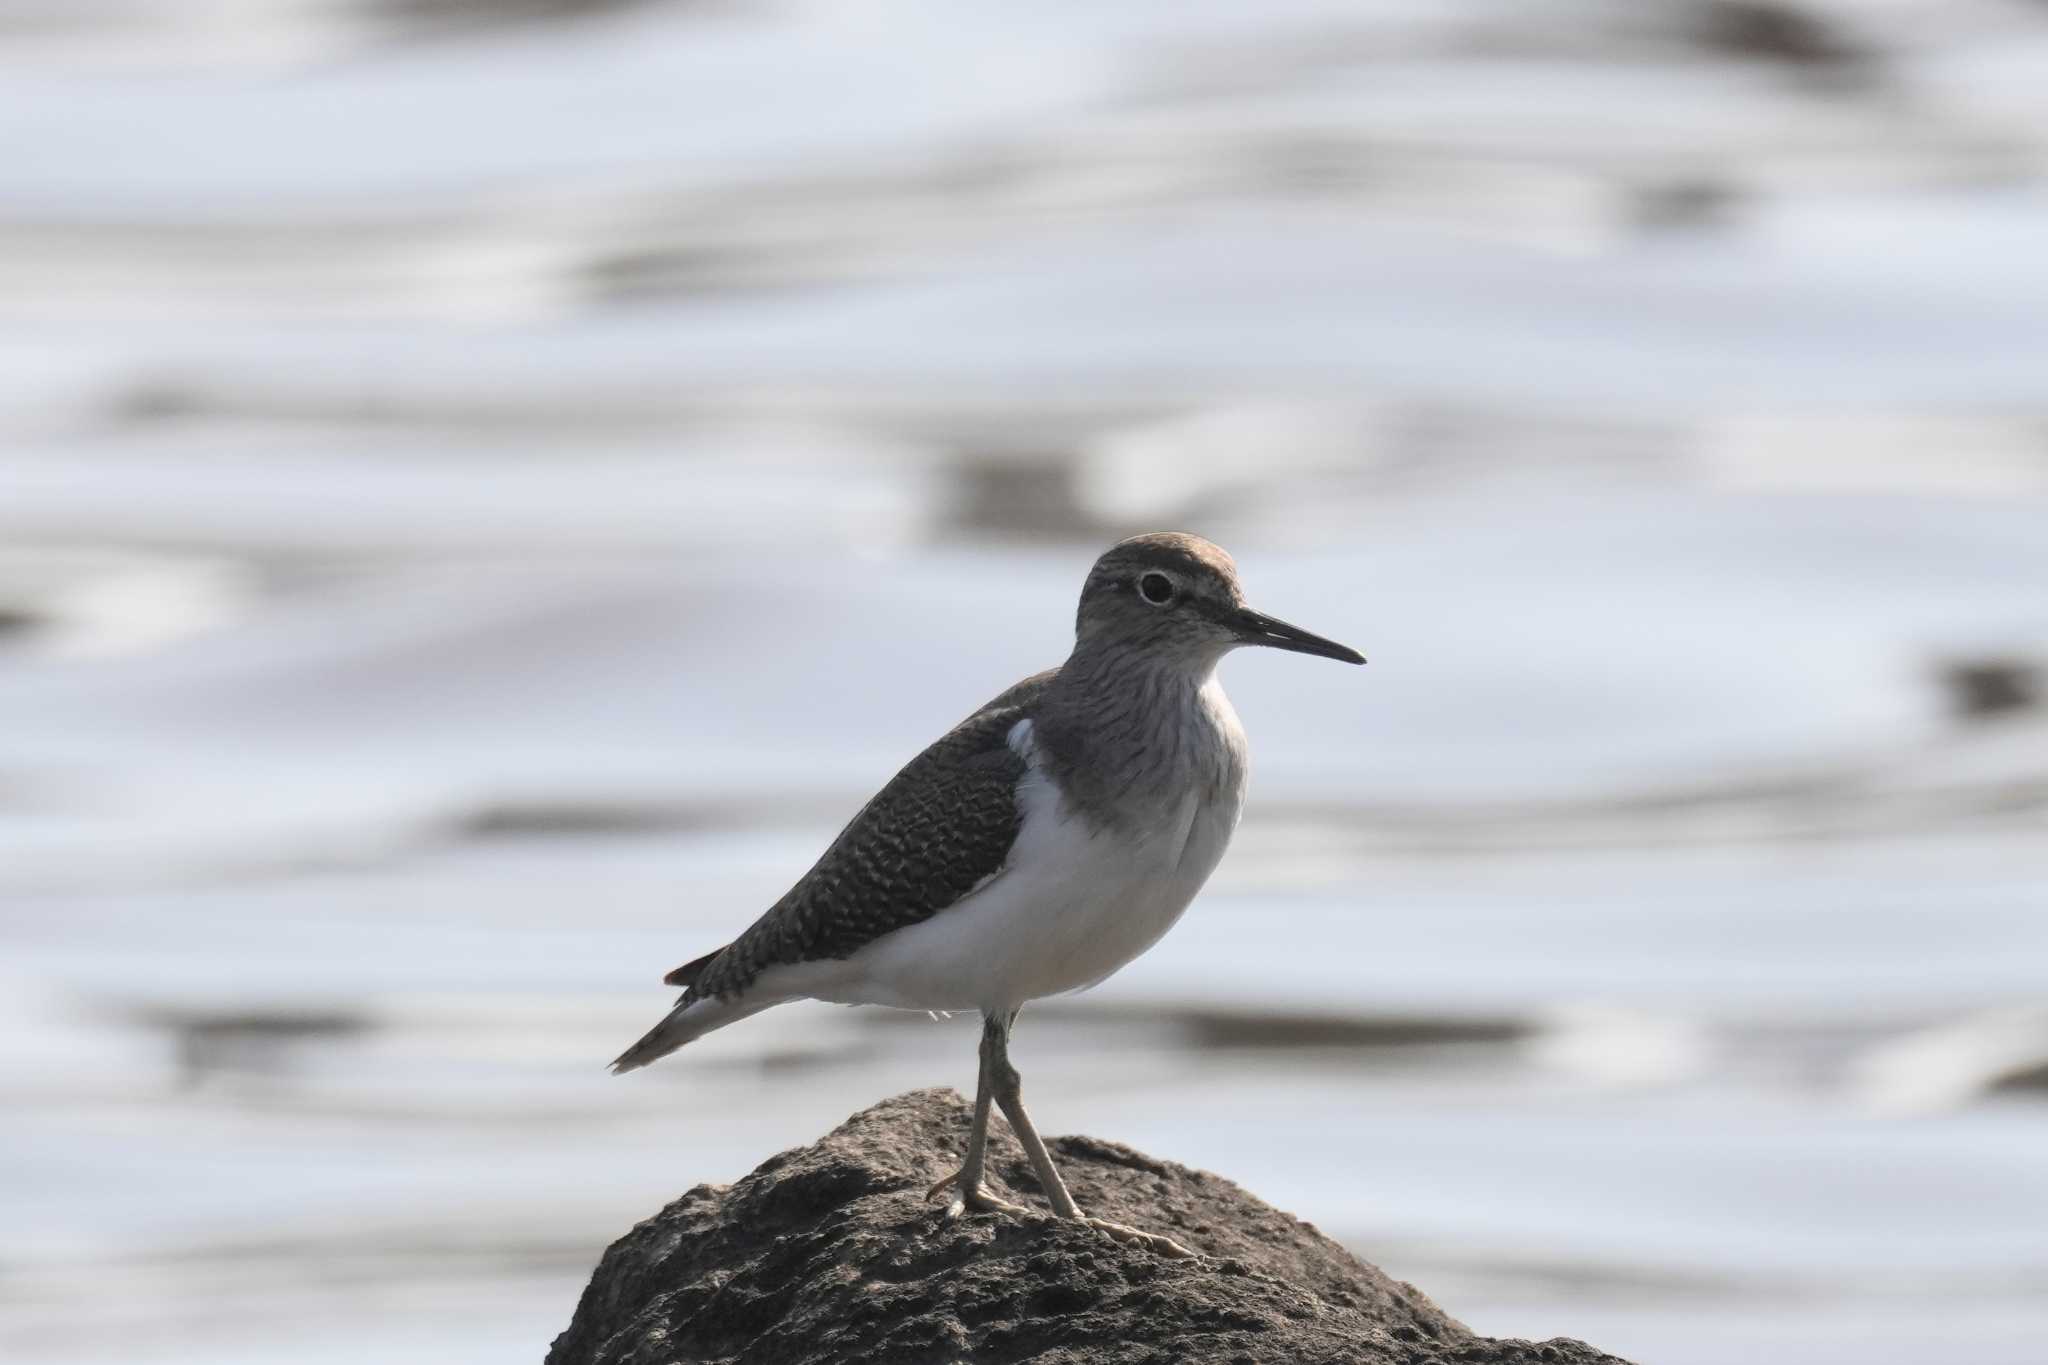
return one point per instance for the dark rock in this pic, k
(829, 1253)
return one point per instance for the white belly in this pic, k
(1072, 905)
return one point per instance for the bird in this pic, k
(1034, 849)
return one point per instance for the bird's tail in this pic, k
(687, 1022)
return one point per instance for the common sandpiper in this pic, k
(1035, 848)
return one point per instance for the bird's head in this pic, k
(1177, 597)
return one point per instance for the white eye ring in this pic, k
(1156, 588)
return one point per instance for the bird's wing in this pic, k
(941, 828)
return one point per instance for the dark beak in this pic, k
(1257, 628)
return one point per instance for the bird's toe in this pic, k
(1154, 1242)
(979, 1200)
(974, 1198)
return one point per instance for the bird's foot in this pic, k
(973, 1198)
(1152, 1241)
(976, 1198)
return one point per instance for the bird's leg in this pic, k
(967, 1180)
(1009, 1093)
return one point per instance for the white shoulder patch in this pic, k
(1020, 741)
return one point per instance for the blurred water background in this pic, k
(485, 489)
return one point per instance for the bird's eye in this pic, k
(1156, 588)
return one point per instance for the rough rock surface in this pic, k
(829, 1253)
